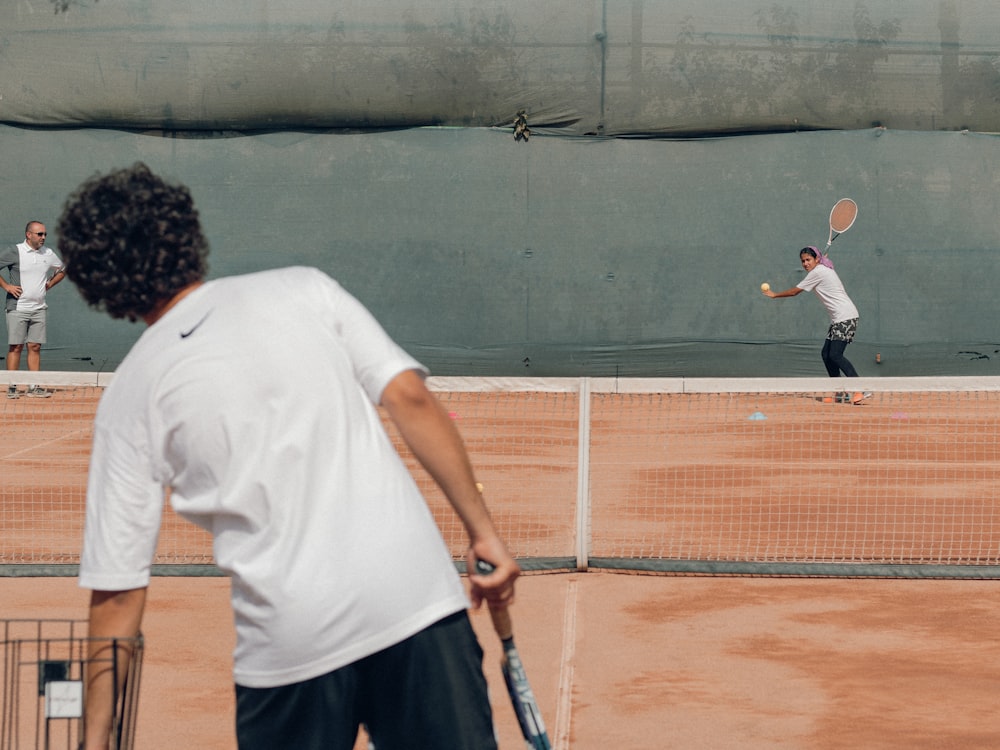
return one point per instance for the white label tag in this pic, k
(64, 699)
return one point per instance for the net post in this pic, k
(583, 478)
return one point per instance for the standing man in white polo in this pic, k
(34, 268)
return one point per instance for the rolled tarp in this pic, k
(577, 67)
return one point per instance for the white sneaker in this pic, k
(35, 392)
(12, 391)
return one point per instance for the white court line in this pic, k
(36, 446)
(564, 699)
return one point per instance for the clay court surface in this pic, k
(640, 660)
(651, 662)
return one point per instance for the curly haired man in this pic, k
(348, 608)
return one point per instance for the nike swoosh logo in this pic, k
(192, 329)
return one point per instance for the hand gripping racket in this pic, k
(521, 696)
(842, 217)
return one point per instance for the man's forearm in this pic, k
(113, 615)
(436, 443)
(432, 436)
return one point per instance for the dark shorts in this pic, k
(843, 331)
(426, 692)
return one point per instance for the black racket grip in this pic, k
(500, 615)
(484, 568)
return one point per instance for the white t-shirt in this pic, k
(34, 267)
(830, 290)
(252, 398)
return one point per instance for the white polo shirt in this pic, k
(252, 398)
(34, 268)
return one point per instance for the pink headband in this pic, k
(824, 260)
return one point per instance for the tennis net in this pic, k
(698, 476)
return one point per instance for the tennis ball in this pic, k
(765, 287)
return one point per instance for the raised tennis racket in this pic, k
(842, 217)
(521, 696)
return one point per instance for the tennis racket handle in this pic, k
(500, 615)
(501, 623)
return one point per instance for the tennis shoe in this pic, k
(36, 392)
(12, 391)
(860, 396)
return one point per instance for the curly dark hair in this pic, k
(131, 241)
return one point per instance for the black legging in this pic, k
(835, 361)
